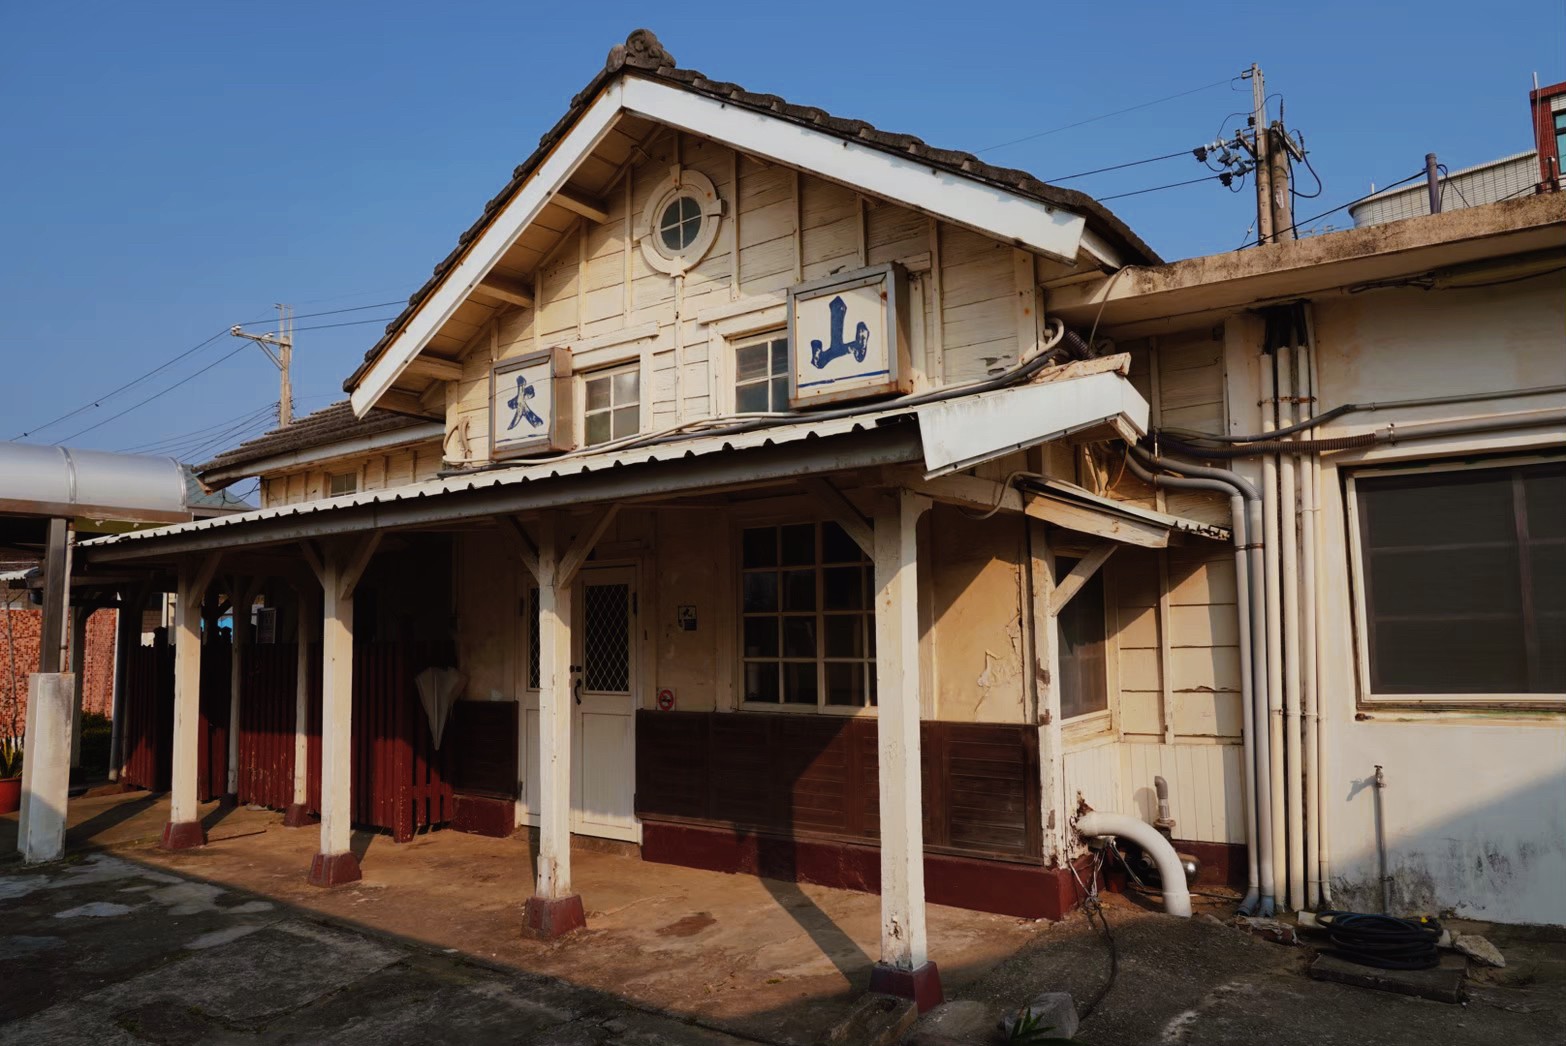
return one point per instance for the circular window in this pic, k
(680, 223)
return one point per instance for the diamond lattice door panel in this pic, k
(606, 638)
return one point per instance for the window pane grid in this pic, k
(1461, 567)
(761, 377)
(611, 406)
(807, 628)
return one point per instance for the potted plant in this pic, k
(10, 774)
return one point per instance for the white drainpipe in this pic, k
(1289, 566)
(1171, 875)
(1310, 466)
(1274, 628)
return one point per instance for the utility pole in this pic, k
(1281, 177)
(283, 358)
(1261, 152)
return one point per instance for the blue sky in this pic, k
(176, 168)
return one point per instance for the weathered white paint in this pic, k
(48, 765)
(903, 937)
(336, 707)
(959, 433)
(193, 581)
(302, 666)
(554, 712)
(1475, 801)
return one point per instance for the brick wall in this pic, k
(19, 628)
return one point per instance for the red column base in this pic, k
(297, 816)
(922, 985)
(183, 835)
(329, 870)
(547, 919)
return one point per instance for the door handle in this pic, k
(576, 690)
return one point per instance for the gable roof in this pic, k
(642, 55)
(334, 424)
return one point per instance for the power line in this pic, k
(238, 430)
(98, 401)
(156, 395)
(334, 312)
(1119, 166)
(1341, 206)
(183, 436)
(1105, 116)
(347, 323)
(1172, 185)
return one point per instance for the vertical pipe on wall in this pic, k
(1274, 629)
(1288, 533)
(1307, 634)
(1317, 864)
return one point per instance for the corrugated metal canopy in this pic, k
(63, 483)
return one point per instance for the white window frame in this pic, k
(1358, 577)
(1102, 722)
(730, 376)
(736, 599)
(356, 475)
(633, 367)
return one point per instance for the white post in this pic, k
(184, 828)
(1046, 671)
(904, 968)
(46, 766)
(336, 863)
(298, 814)
(554, 909)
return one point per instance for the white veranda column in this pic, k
(298, 813)
(904, 967)
(336, 862)
(184, 827)
(236, 654)
(554, 909)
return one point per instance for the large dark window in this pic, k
(1084, 683)
(808, 623)
(1465, 580)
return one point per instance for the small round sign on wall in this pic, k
(665, 700)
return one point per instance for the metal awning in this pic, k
(725, 458)
(58, 482)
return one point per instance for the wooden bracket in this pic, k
(354, 568)
(582, 547)
(312, 556)
(526, 548)
(205, 572)
(843, 511)
(1072, 583)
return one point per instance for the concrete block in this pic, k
(1479, 949)
(1055, 1014)
(46, 766)
(956, 1023)
(875, 1020)
(1444, 983)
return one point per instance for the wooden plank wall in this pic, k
(781, 227)
(374, 471)
(811, 776)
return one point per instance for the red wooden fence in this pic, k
(400, 782)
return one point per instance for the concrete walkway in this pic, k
(770, 961)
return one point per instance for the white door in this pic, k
(603, 660)
(603, 721)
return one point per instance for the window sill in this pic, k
(830, 710)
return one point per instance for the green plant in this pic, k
(1029, 1028)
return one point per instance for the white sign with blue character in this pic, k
(526, 405)
(847, 336)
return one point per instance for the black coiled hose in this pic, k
(1382, 941)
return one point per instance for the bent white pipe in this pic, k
(1177, 897)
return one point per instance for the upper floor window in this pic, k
(1084, 680)
(1462, 574)
(761, 377)
(808, 620)
(342, 483)
(611, 407)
